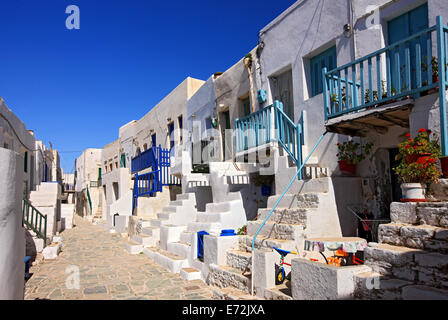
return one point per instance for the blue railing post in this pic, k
(442, 85)
(325, 95)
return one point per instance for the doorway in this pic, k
(225, 125)
(395, 181)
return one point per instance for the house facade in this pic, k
(30, 195)
(260, 149)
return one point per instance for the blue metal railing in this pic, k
(144, 160)
(159, 160)
(268, 125)
(408, 66)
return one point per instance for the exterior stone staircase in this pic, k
(289, 225)
(411, 259)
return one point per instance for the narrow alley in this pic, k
(106, 271)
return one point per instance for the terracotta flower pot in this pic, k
(344, 166)
(413, 192)
(444, 165)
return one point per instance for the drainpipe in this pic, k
(276, 204)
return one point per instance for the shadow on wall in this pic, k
(204, 195)
(174, 191)
(31, 250)
(347, 191)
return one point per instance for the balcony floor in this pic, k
(376, 119)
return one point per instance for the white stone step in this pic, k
(134, 247)
(180, 248)
(170, 209)
(201, 226)
(177, 203)
(167, 260)
(275, 230)
(146, 223)
(186, 196)
(190, 274)
(245, 243)
(158, 222)
(144, 240)
(285, 215)
(225, 277)
(186, 237)
(164, 215)
(221, 207)
(152, 232)
(209, 217)
(306, 200)
(170, 233)
(240, 260)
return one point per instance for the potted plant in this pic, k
(350, 154)
(435, 71)
(335, 100)
(418, 166)
(420, 148)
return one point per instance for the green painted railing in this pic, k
(405, 68)
(34, 220)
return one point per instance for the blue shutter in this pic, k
(325, 59)
(402, 27)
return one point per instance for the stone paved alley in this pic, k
(106, 271)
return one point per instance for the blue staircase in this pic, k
(159, 160)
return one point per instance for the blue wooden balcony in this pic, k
(405, 69)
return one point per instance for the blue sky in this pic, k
(75, 88)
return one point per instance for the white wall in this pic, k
(12, 234)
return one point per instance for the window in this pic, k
(154, 140)
(25, 165)
(123, 160)
(179, 121)
(246, 106)
(171, 135)
(325, 59)
(283, 91)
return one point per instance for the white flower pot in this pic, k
(413, 191)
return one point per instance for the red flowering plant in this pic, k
(426, 152)
(242, 231)
(353, 152)
(421, 144)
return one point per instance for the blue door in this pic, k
(400, 28)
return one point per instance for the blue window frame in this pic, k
(325, 59)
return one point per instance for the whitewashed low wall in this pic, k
(12, 234)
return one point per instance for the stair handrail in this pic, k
(297, 158)
(35, 221)
(276, 204)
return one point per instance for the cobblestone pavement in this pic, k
(106, 272)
